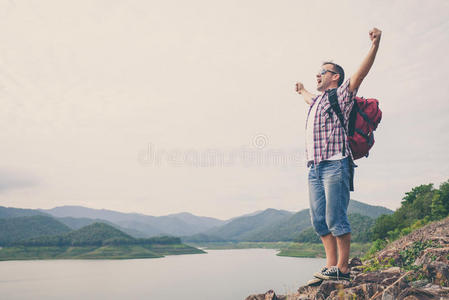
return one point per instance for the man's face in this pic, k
(328, 79)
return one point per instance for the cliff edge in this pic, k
(413, 267)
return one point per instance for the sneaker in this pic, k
(318, 274)
(333, 273)
(314, 282)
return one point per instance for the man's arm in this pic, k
(364, 68)
(308, 97)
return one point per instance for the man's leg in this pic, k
(317, 203)
(336, 185)
(344, 245)
(330, 247)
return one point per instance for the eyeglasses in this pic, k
(323, 71)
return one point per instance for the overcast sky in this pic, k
(162, 107)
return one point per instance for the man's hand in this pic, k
(299, 87)
(359, 75)
(374, 35)
(308, 97)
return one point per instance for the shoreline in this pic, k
(289, 249)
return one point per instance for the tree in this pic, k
(444, 195)
(437, 207)
(383, 225)
(421, 205)
(411, 196)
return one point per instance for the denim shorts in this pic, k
(329, 196)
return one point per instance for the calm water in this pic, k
(218, 275)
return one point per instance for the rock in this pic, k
(354, 262)
(419, 283)
(416, 294)
(356, 270)
(308, 290)
(433, 254)
(328, 286)
(442, 292)
(269, 295)
(438, 271)
(363, 291)
(378, 277)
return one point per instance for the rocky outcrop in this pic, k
(413, 267)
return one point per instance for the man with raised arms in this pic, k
(330, 160)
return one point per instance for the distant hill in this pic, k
(357, 207)
(243, 227)
(265, 227)
(175, 224)
(95, 241)
(77, 223)
(245, 215)
(73, 223)
(12, 212)
(196, 221)
(283, 230)
(96, 234)
(19, 228)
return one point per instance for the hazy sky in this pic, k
(161, 107)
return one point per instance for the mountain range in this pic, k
(267, 225)
(273, 225)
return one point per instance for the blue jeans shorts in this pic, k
(329, 196)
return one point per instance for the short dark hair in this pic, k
(338, 69)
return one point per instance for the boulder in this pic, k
(438, 271)
(362, 291)
(269, 295)
(416, 294)
(328, 286)
(386, 277)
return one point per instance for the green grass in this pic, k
(120, 252)
(93, 252)
(317, 250)
(24, 253)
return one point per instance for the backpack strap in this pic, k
(333, 100)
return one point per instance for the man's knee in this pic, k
(320, 226)
(338, 225)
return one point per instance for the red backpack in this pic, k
(363, 120)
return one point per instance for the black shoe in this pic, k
(314, 282)
(333, 273)
(317, 274)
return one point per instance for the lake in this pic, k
(218, 275)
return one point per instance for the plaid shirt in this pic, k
(328, 135)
